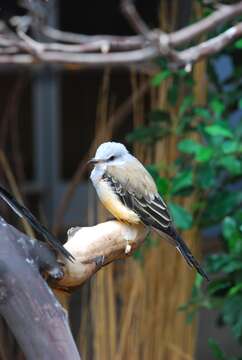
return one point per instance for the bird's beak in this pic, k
(93, 161)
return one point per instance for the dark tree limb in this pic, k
(27, 304)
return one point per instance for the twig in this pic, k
(115, 42)
(91, 59)
(210, 47)
(220, 16)
(134, 18)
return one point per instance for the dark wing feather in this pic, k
(23, 212)
(153, 212)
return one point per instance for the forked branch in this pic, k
(101, 50)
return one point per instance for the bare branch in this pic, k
(90, 59)
(115, 42)
(102, 50)
(210, 47)
(134, 18)
(96, 246)
(220, 16)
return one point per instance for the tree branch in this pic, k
(212, 46)
(102, 50)
(29, 307)
(209, 23)
(134, 18)
(96, 246)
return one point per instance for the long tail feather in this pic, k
(186, 252)
(23, 212)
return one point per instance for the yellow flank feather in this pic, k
(112, 203)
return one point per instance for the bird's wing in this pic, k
(150, 208)
(23, 212)
(136, 189)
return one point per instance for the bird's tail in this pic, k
(23, 212)
(186, 253)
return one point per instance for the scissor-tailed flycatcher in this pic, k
(129, 192)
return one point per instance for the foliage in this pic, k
(208, 165)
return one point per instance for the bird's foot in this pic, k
(128, 248)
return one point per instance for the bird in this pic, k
(24, 212)
(129, 193)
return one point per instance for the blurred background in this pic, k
(185, 125)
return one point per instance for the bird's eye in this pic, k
(111, 158)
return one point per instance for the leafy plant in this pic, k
(209, 165)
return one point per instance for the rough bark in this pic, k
(29, 307)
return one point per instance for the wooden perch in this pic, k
(30, 309)
(96, 246)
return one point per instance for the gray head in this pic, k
(110, 153)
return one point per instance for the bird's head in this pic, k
(110, 153)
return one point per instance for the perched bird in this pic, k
(129, 192)
(23, 212)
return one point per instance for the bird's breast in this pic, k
(113, 204)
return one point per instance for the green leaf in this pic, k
(232, 235)
(232, 314)
(217, 352)
(217, 106)
(232, 266)
(172, 94)
(204, 154)
(159, 115)
(235, 289)
(220, 205)
(203, 113)
(162, 185)
(216, 262)
(198, 281)
(189, 146)
(229, 227)
(218, 130)
(205, 176)
(182, 218)
(238, 44)
(153, 170)
(231, 164)
(159, 78)
(240, 100)
(186, 104)
(138, 255)
(182, 181)
(146, 134)
(216, 287)
(230, 146)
